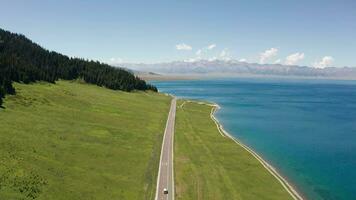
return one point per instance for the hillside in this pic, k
(22, 60)
(72, 140)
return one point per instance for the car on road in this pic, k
(165, 191)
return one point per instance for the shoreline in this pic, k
(286, 185)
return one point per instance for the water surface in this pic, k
(305, 128)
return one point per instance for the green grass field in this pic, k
(77, 141)
(209, 166)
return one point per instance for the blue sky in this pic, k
(314, 33)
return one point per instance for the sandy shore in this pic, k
(286, 185)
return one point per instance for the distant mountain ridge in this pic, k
(234, 67)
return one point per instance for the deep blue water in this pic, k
(305, 128)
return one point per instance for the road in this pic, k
(165, 177)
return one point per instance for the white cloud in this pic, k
(212, 46)
(225, 54)
(326, 61)
(242, 60)
(294, 58)
(183, 46)
(199, 52)
(212, 59)
(269, 53)
(278, 61)
(115, 61)
(191, 60)
(205, 50)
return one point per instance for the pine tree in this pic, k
(22, 60)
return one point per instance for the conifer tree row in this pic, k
(22, 60)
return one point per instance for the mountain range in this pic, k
(234, 67)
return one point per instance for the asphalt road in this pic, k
(165, 173)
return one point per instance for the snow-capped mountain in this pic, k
(234, 67)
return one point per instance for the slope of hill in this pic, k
(73, 140)
(22, 60)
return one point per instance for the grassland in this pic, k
(209, 166)
(77, 141)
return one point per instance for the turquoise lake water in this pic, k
(305, 128)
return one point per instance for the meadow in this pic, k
(210, 166)
(72, 140)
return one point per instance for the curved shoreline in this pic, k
(286, 185)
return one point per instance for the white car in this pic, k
(165, 191)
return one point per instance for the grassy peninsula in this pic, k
(209, 166)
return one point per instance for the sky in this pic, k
(316, 33)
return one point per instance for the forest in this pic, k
(24, 61)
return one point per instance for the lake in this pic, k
(305, 128)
